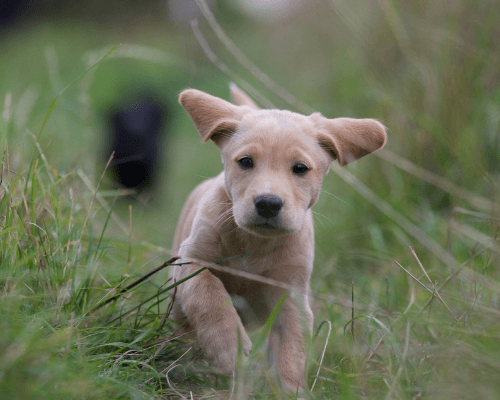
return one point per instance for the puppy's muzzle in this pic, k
(268, 206)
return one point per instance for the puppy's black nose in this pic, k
(268, 206)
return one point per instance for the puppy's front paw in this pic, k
(220, 342)
(246, 343)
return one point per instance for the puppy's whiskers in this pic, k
(317, 214)
(336, 197)
(223, 218)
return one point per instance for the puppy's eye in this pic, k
(245, 162)
(300, 169)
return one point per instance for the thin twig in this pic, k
(169, 308)
(432, 283)
(438, 181)
(251, 67)
(161, 345)
(134, 284)
(414, 278)
(475, 214)
(324, 349)
(225, 69)
(476, 236)
(217, 267)
(352, 310)
(412, 300)
(267, 281)
(449, 278)
(172, 366)
(425, 287)
(374, 349)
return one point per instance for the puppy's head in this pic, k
(275, 160)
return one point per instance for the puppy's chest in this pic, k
(255, 265)
(236, 284)
(254, 256)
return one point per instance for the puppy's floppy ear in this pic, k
(240, 98)
(214, 118)
(348, 139)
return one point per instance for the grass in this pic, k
(407, 268)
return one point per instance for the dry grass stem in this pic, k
(261, 279)
(476, 236)
(412, 299)
(324, 349)
(352, 310)
(135, 283)
(170, 368)
(225, 69)
(169, 308)
(453, 275)
(432, 283)
(373, 350)
(438, 181)
(397, 217)
(460, 210)
(425, 287)
(249, 65)
(414, 278)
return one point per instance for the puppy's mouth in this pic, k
(266, 230)
(266, 227)
(265, 223)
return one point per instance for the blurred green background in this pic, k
(429, 71)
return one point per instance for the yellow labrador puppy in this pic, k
(259, 207)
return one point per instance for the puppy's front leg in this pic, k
(209, 311)
(286, 341)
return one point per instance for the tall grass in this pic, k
(407, 266)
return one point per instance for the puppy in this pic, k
(258, 209)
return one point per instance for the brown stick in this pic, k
(169, 309)
(133, 284)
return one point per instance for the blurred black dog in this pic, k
(136, 131)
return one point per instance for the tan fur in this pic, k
(221, 219)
